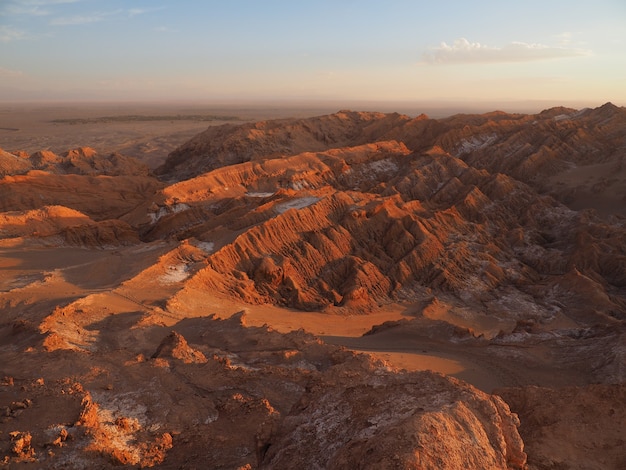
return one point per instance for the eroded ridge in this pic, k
(290, 294)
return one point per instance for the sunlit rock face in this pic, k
(444, 205)
(131, 302)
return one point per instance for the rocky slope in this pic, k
(575, 155)
(218, 393)
(581, 435)
(79, 161)
(360, 226)
(231, 144)
(501, 235)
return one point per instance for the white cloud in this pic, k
(464, 52)
(78, 19)
(142, 11)
(564, 39)
(8, 73)
(8, 34)
(96, 17)
(31, 7)
(136, 11)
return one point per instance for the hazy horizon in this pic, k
(485, 54)
(287, 108)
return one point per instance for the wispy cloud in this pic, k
(43, 8)
(8, 34)
(463, 51)
(44, 2)
(165, 29)
(136, 11)
(8, 73)
(564, 39)
(96, 17)
(15, 10)
(25, 10)
(31, 7)
(142, 11)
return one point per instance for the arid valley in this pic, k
(255, 288)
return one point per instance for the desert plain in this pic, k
(250, 287)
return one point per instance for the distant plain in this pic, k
(148, 132)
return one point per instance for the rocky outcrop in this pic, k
(55, 224)
(43, 222)
(11, 164)
(107, 233)
(86, 161)
(99, 197)
(79, 161)
(461, 220)
(352, 228)
(270, 400)
(573, 155)
(572, 427)
(392, 421)
(175, 346)
(233, 144)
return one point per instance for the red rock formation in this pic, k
(269, 399)
(572, 427)
(99, 197)
(341, 213)
(175, 346)
(358, 423)
(11, 164)
(407, 226)
(232, 144)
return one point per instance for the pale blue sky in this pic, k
(571, 52)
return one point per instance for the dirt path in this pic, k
(401, 350)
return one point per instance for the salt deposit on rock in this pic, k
(152, 323)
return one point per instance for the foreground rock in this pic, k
(572, 427)
(218, 394)
(109, 354)
(390, 421)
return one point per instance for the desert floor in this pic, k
(40, 278)
(88, 315)
(133, 131)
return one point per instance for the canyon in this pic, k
(348, 290)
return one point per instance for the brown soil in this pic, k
(358, 290)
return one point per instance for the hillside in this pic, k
(355, 290)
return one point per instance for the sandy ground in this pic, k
(34, 280)
(349, 330)
(99, 300)
(601, 186)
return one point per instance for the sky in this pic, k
(570, 52)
